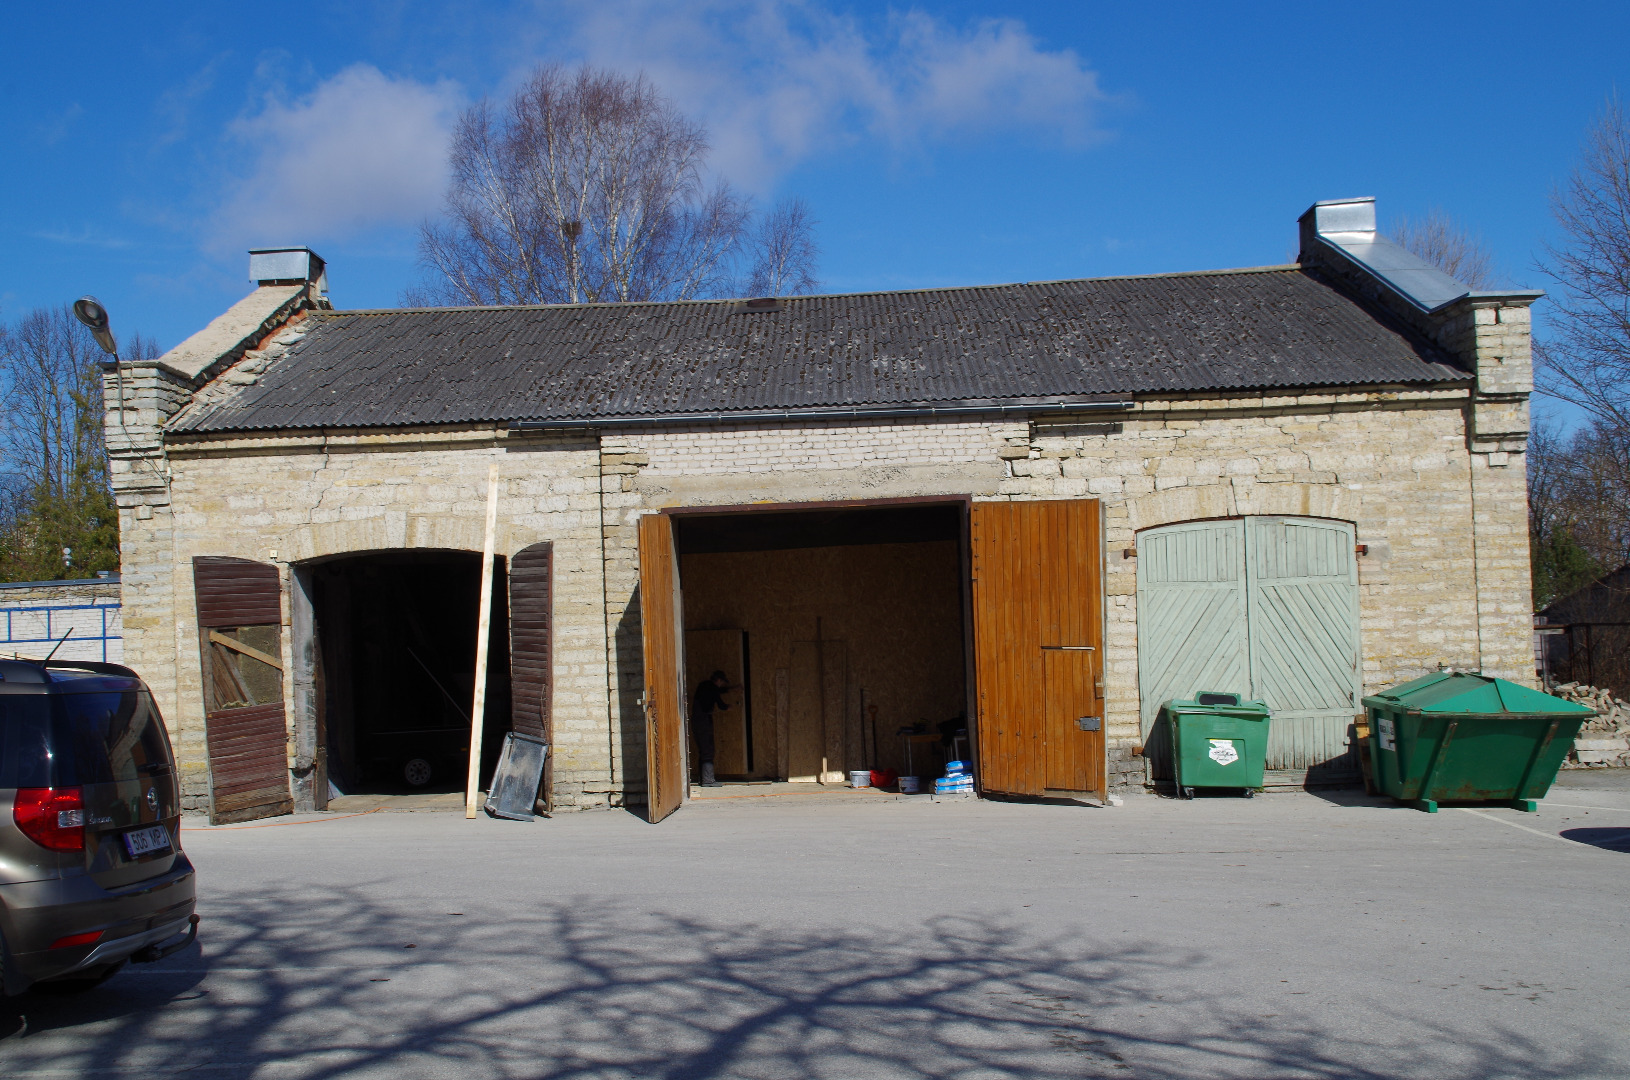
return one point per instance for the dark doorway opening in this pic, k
(396, 637)
(837, 626)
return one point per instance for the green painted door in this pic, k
(1265, 606)
(1302, 616)
(1191, 620)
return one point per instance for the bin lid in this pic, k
(1466, 693)
(1217, 701)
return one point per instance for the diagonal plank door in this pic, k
(1302, 584)
(1191, 613)
(1038, 648)
(660, 622)
(1191, 621)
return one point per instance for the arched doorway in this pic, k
(1264, 606)
(396, 637)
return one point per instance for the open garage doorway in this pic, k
(841, 633)
(396, 638)
(863, 630)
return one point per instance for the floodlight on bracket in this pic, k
(89, 310)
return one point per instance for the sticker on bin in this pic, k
(1223, 752)
(1383, 726)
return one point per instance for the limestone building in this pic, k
(1027, 512)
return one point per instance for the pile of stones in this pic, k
(1604, 741)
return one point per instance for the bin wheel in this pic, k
(1249, 793)
(1188, 793)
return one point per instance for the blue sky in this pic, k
(940, 143)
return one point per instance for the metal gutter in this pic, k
(883, 412)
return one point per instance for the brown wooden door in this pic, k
(531, 626)
(1038, 646)
(660, 621)
(240, 617)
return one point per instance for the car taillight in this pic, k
(53, 818)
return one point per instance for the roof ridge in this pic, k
(625, 304)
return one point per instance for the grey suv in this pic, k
(91, 868)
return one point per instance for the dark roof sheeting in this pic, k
(1220, 331)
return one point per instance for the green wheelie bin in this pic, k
(1218, 741)
(1461, 737)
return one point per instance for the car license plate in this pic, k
(146, 841)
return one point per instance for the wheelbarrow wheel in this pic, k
(417, 771)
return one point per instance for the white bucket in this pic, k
(909, 785)
(860, 778)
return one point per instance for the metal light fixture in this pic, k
(89, 310)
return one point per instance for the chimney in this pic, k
(288, 266)
(1340, 235)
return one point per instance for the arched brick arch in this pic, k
(391, 531)
(1225, 500)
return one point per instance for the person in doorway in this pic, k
(709, 697)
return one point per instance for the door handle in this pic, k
(1071, 648)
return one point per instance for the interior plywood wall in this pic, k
(896, 609)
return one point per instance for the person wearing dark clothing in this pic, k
(709, 697)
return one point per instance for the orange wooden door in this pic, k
(660, 623)
(1038, 646)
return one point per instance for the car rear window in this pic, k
(67, 740)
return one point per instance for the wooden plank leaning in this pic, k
(483, 631)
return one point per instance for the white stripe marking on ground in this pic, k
(1524, 828)
(1576, 806)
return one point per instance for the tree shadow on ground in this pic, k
(1613, 839)
(330, 982)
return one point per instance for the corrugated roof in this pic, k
(1282, 327)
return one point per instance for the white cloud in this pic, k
(361, 151)
(779, 82)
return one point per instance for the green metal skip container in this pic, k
(1462, 737)
(1218, 741)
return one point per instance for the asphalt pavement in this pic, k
(1292, 935)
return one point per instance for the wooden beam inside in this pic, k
(238, 646)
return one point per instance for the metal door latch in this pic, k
(1089, 723)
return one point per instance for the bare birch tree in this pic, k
(784, 252)
(1586, 360)
(587, 187)
(1441, 242)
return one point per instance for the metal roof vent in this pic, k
(288, 266)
